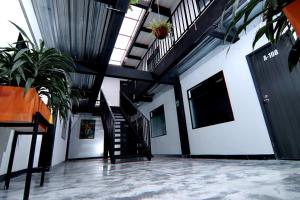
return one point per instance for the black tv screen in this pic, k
(209, 102)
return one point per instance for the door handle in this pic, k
(266, 98)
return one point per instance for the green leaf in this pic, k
(28, 84)
(17, 64)
(20, 54)
(23, 33)
(18, 79)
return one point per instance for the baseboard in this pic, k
(20, 172)
(86, 158)
(229, 157)
(237, 157)
(168, 155)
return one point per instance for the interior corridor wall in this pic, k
(86, 148)
(23, 148)
(248, 133)
(21, 153)
(111, 90)
(60, 142)
(168, 144)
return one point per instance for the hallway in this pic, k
(166, 178)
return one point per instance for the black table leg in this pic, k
(30, 161)
(11, 160)
(42, 177)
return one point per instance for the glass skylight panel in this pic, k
(112, 62)
(128, 26)
(135, 13)
(122, 42)
(128, 29)
(117, 54)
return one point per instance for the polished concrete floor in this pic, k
(166, 178)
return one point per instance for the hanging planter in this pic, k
(291, 11)
(161, 29)
(18, 107)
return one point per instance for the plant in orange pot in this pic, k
(279, 17)
(27, 74)
(160, 29)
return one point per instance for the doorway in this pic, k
(278, 90)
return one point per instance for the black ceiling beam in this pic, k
(145, 29)
(114, 26)
(108, 2)
(145, 98)
(133, 74)
(128, 66)
(161, 10)
(134, 57)
(139, 45)
(188, 42)
(222, 36)
(155, 8)
(82, 69)
(94, 110)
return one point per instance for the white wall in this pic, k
(86, 148)
(12, 10)
(247, 134)
(21, 153)
(23, 148)
(168, 144)
(60, 144)
(111, 90)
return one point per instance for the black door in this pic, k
(279, 93)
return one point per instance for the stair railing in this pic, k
(182, 19)
(138, 122)
(108, 121)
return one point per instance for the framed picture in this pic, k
(87, 129)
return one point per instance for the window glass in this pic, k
(209, 102)
(158, 123)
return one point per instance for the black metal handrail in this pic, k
(183, 17)
(138, 122)
(108, 121)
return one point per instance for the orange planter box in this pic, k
(292, 12)
(17, 107)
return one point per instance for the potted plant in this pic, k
(279, 17)
(160, 29)
(30, 73)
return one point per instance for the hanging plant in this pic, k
(160, 29)
(279, 17)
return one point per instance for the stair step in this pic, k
(128, 156)
(120, 120)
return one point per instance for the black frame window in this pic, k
(209, 102)
(158, 122)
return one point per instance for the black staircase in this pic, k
(138, 123)
(108, 121)
(121, 139)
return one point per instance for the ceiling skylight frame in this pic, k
(129, 17)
